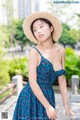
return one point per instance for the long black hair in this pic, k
(46, 21)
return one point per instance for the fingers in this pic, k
(69, 112)
(51, 113)
(53, 117)
(72, 113)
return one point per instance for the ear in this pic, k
(51, 28)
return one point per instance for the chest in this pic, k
(54, 56)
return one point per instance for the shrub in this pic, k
(4, 75)
(18, 65)
(72, 64)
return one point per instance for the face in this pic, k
(42, 31)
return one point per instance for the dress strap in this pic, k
(37, 50)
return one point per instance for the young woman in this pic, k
(46, 63)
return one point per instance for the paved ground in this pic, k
(75, 105)
(9, 106)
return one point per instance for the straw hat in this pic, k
(52, 18)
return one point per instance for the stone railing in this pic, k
(15, 86)
(75, 97)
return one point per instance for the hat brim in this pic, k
(52, 18)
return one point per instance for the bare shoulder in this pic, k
(33, 52)
(33, 58)
(61, 48)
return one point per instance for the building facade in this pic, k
(17, 9)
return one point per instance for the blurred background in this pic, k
(15, 46)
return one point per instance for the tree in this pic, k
(13, 31)
(19, 34)
(78, 15)
(69, 36)
(61, 10)
(6, 35)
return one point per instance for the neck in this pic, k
(47, 44)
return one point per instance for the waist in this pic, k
(45, 83)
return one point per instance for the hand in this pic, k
(51, 113)
(68, 110)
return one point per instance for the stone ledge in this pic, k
(75, 106)
(75, 98)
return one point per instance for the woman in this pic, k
(46, 63)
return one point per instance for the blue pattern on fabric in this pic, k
(28, 107)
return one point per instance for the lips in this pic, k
(41, 35)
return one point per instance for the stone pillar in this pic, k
(18, 80)
(75, 84)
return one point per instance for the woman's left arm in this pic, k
(62, 80)
(63, 90)
(63, 85)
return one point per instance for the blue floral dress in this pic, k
(28, 107)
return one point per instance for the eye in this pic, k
(34, 30)
(41, 26)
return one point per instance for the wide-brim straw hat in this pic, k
(52, 18)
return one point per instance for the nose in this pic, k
(39, 30)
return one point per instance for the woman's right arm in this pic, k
(33, 61)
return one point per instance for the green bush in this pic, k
(18, 65)
(4, 75)
(72, 64)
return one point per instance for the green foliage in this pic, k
(7, 35)
(13, 34)
(12, 67)
(19, 34)
(72, 64)
(4, 35)
(69, 36)
(4, 75)
(18, 66)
